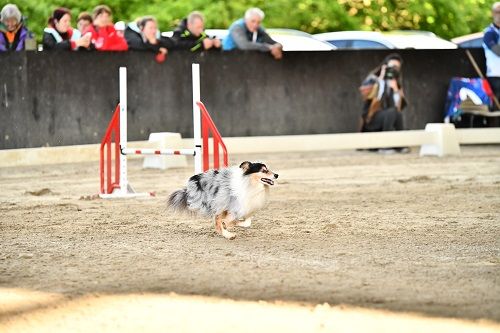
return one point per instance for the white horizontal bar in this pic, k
(319, 142)
(152, 151)
(478, 135)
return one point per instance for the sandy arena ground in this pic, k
(391, 243)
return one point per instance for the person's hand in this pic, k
(217, 43)
(277, 51)
(83, 41)
(382, 72)
(161, 56)
(207, 43)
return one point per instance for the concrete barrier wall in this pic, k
(63, 98)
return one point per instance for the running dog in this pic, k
(230, 196)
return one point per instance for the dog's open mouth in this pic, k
(267, 181)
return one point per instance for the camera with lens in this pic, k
(391, 73)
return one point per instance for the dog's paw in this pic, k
(228, 235)
(245, 224)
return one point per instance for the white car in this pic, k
(385, 40)
(469, 41)
(292, 40)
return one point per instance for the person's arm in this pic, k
(381, 89)
(491, 41)
(135, 42)
(49, 43)
(3, 42)
(266, 38)
(184, 43)
(166, 42)
(240, 39)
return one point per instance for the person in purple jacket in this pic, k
(13, 33)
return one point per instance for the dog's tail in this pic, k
(178, 201)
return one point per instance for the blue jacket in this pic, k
(490, 40)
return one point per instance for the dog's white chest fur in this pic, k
(256, 199)
(251, 197)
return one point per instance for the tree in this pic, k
(446, 18)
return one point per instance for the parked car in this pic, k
(292, 40)
(385, 40)
(469, 41)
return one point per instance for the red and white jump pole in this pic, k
(119, 187)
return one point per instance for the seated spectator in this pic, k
(84, 20)
(13, 33)
(382, 92)
(60, 36)
(103, 35)
(190, 34)
(247, 34)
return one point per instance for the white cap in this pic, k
(120, 25)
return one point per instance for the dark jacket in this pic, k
(136, 42)
(184, 40)
(54, 40)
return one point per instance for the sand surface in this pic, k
(393, 239)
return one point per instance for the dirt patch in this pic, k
(399, 233)
(417, 179)
(38, 193)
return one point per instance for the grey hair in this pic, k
(10, 11)
(251, 12)
(495, 5)
(194, 16)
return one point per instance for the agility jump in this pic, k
(114, 150)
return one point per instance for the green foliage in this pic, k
(446, 18)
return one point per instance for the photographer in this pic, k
(382, 92)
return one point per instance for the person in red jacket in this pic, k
(102, 32)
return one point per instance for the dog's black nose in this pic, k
(275, 176)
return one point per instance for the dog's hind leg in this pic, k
(220, 225)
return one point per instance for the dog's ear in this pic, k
(245, 165)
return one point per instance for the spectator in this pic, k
(143, 35)
(120, 28)
(247, 34)
(59, 34)
(13, 33)
(102, 32)
(491, 45)
(384, 98)
(190, 34)
(84, 20)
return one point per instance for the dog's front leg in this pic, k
(220, 225)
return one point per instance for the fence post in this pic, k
(196, 119)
